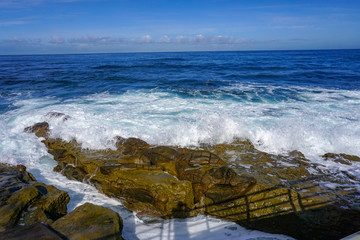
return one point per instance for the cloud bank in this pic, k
(146, 43)
(147, 39)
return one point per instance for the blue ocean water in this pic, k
(279, 100)
(187, 75)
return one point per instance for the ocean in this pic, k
(279, 100)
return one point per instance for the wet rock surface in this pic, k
(273, 193)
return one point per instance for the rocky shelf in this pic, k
(236, 182)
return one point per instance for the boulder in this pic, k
(90, 221)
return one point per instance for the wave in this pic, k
(315, 121)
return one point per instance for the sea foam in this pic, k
(319, 121)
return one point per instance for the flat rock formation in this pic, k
(236, 182)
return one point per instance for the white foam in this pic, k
(327, 122)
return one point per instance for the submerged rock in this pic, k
(274, 193)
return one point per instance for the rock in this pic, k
(216, 184)
(52, 201)
(157, 181)
(162, 156)
(287, 198)
(36, 231)
(24, 200)
(275, 193)
(40, 129)
(90, 221)
(145, 187)
(12, 208)
(341, 158)
(130, 145)
(57, 115)
(149, 192)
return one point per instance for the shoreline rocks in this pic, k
(33, 210)
(236, 182)
(26, 201)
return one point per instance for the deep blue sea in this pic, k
(279, 100)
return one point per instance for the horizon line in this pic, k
(195, 51)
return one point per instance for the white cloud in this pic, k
(146, 39)
(57, 40)
(94, 42)
(90, 39)
(15, 22)
(164, 39)
(200, 39)
(16, 39)
(22, 41)
(26, 3)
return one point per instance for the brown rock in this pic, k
(36, 231)
(341, 158)
(22, 195)
(88, 222)
(40, 129)
(130, 145)
(58, 115)
(220, 181)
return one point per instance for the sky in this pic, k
(112, 26)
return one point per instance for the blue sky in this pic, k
(96, 26)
